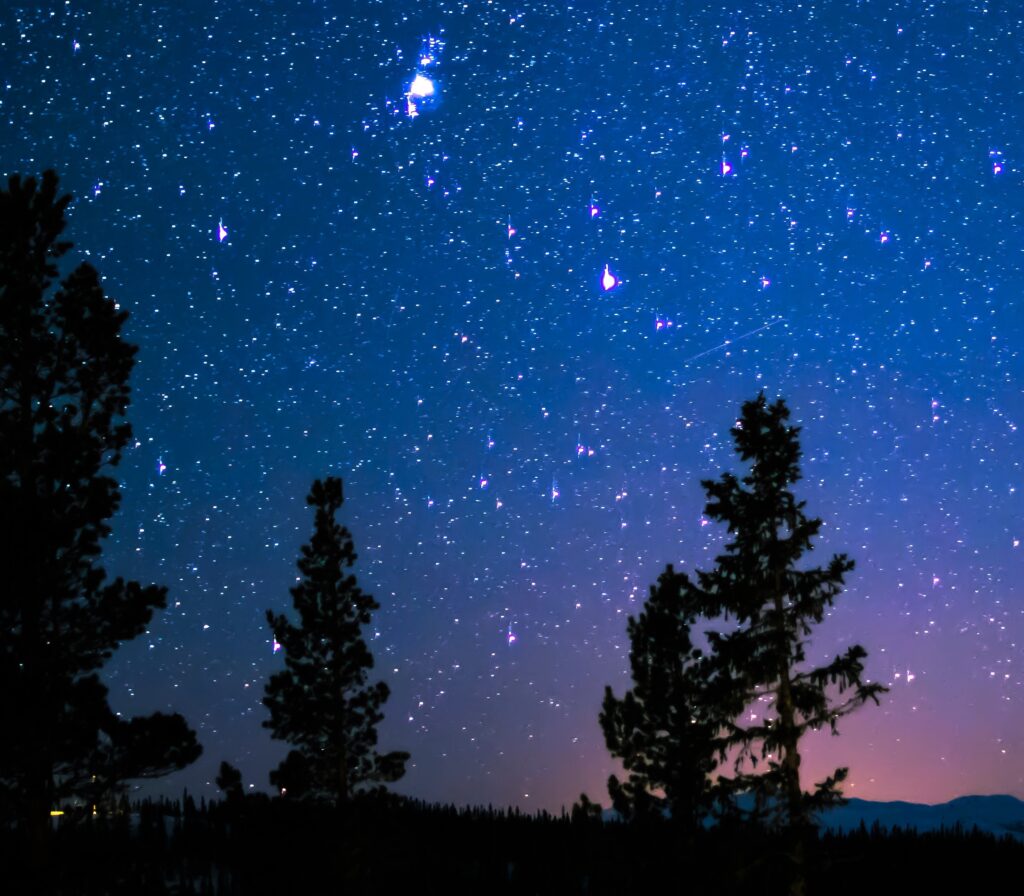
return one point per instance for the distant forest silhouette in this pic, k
(712, 799)
(384, 844)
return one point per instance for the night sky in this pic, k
(510, 269)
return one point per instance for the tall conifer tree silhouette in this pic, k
(668, 727)
(321, 701)
(64, 370)
(687, 709)
(773, 607)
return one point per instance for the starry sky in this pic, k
(510, 269)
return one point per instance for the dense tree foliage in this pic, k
(229, 781)
(667, 728)
(64, 370)
(321, 701)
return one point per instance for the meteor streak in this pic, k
(729, 342)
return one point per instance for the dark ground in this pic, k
(260, 846)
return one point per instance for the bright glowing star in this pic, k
(511, 636)
(75, 46)
(554, 491)
(430, 181)
(421, 86)
(765, 283)
(483, 481)
(497, 504)
(997, 168)
(608, 280)
(355, 153)
(883, 237)
(56, 813)
(726, 168)
(725, 137)
(161, 467)
(222, 231)
(410, 108)
(850, 212)
(927, 263)
(744, 152)
(511, 229)
(594, 210)
(277, 646)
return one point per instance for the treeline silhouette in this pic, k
(712, 801)
(386, 844)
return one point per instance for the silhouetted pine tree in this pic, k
(229, 780)
(321, 701)
(667, 728)
(583, 811)
(64, 370)
(773, 607)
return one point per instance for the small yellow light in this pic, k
(55, 812)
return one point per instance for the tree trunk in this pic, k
(790, 760)
(343, 781)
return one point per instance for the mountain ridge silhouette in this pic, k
(997, 814)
